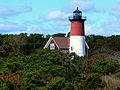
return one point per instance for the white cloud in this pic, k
(118, 33)
(94, 30)
(109, 27)
(62, 23)
(84, 6)
(6, 12)
(34, 30)
(11, 27)
(57, 15)
(116, 10)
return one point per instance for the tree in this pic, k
(59, 35)
(13, 43)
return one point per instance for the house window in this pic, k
(52, 46)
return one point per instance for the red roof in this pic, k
(62, 42)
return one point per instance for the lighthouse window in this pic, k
(52, 46)
(71, 48)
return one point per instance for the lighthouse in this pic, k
(77, 34)
(76, 42)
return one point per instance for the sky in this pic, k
(51, 16)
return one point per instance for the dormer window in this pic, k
(52, 46)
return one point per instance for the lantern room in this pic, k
(77, 15)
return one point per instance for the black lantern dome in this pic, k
(77, 11)
(77, 15)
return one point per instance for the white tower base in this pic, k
(77, 45)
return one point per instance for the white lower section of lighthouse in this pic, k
(77, 45)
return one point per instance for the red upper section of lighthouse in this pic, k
(77, 28)
(77, 24)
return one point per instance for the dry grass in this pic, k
(112, 82)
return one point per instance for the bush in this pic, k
(41, 88)
(92, 81)
(58, 83)
(117, 74)
(105, 66)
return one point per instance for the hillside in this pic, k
(24, 65)
(109, 47)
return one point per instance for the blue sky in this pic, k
(51, 16)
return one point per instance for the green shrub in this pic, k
(105, 66)
(41, 88)
(117, 74)
(92, 81)
(58, 83)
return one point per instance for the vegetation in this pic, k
(24, 65)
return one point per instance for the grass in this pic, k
(112, 82)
